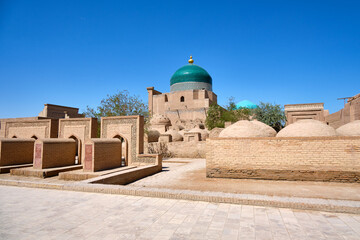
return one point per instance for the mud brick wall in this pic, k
(102, 154)
(16, 151)
(50, 153)
(44, 128)
(148, 159)
(130, 128)
(180, 149)
(305, 159)
(82, 129)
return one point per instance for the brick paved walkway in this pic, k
(28, 213)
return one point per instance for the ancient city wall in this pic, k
(305, 159)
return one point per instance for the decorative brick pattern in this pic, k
(128, 128)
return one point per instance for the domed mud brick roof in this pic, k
(203, 132)
(245, 128)
(159, 119)
(190, 77)
(307, 128)
(153, 135)
(215, 132)
(349, 129)
(175, 135)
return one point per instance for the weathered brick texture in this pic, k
(306, 159)
(16, 151)
(52, 153)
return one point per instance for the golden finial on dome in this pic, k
(191, 61)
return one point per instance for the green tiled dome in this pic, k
(190, 76)
(191, 73)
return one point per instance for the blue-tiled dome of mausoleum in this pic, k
(246, 104)
(190, 77)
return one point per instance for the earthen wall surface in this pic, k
(307, 159)
(16, 151)
(51, 153)
(4, 120)
(131, 128)
(194, 104)
(42, 128)
(102, 154)
(349, 113)
(57, 111)
(183, 149)
(81, 128)
(295, 112)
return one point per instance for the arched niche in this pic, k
(124, 149)
(77, 159)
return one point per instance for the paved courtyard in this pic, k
(28, 213)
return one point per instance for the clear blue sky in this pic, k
(74, 53)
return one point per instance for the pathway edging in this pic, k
(343, 206)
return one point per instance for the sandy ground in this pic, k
(190, 174)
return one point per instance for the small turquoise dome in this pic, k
(246, 104)
(189, 77)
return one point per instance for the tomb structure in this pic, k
(295, 112)
(102, 154)
(33, 125)
(308, 150)
(349, 113)
(79, 129)
(36, 129)
(15, 152)
(118, 156)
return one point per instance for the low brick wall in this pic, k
(148, 159)
(145, 165)
(51, 153)
(182, 149)
(127, 176)
(305, 159)
(16, 151)
(102, 154)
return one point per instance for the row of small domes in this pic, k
(153, 135)
(302, 128)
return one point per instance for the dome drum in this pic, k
(182, 86)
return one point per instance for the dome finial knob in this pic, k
(191, 61)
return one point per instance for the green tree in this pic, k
(118, 104)
(231, 106)
(217, 115)
(270, 114)
(214, 117)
